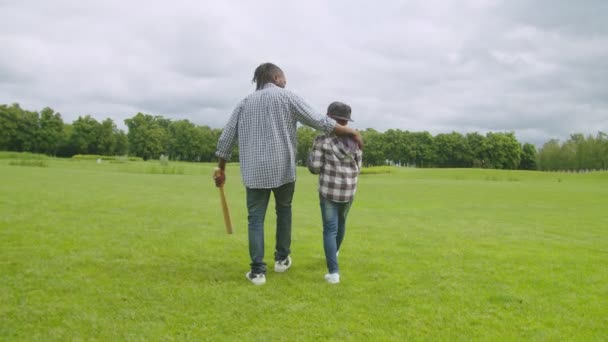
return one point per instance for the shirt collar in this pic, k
(268, 85)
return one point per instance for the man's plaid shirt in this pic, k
(265, 123)
(337, 168)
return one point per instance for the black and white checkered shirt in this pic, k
(336, 166)
(265, 124)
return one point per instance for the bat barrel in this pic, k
(226, 211)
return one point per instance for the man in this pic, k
(264, 123)
(337, 161)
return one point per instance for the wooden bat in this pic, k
(227, 220)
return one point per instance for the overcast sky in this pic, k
(538, 68)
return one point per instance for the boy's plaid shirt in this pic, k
(337, 168)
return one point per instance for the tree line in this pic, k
(148, 136)
(575, 154)
(498, 150)
(152, 136)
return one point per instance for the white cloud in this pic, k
(536, 68)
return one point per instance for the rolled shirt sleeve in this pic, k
(307, 115)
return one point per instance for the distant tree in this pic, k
(18, 129)
(148, 135)
(209, 145)
(478, 146)
(374, 151)
(106, 138)
(393, 147)
(184, 141)
(85, 135)
(423, 149)
(528, 157)
(122, 143)
(452, 150)
(504, 151)
(600, 151)
(50, 131)
(64, 147)
(549, 156)
(305, 135)
(9, 118)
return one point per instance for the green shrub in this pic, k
(165, 170)
(119, 159)
(29, 162)
(377, 170)
(22, 155)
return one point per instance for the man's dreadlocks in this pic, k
(265, 73)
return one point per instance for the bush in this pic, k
(119, 159)
(377, 170)
(29, 162)
(22, 156)
(165, 170)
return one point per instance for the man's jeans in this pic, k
(334, 227)
(257, 203)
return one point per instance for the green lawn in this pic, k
(121, 251)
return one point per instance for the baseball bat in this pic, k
(226, 212)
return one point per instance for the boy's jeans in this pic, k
(257, 203)
(334, 227)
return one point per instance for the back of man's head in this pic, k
(265, 73)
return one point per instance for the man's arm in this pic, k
(309, 117)
(345, 130)
(225, 145)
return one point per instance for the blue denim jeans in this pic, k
(334, 227)
(257, 203)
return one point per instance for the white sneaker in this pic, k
(332, 278)
(256, 278)
(282, 265)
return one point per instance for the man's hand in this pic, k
(347, 131)
(219, 177)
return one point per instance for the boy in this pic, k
(337, 161)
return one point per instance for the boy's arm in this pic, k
(315, 158)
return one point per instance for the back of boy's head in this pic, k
(339, 109)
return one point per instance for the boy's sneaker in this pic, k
(256, 278)
(282, 265)
(332, 278)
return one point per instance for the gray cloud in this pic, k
(536, 68)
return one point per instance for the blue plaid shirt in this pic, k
(265, 123)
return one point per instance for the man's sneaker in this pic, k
(256, 278)
(282, 265)
(332, 278)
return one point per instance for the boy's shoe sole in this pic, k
(256, 279)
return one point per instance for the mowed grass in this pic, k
(110, 251)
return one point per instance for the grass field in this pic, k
(130, 251)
